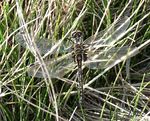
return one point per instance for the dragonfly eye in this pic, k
(77, 36)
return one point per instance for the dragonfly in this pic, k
(79, 55)
(96, 52)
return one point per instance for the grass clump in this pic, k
(38, 77)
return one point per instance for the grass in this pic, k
(41, 83)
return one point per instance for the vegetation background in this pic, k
(119, 92)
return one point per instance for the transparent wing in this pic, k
(64, 64)
(57, 67)
(101, 58)
(44, 45)
(109, 35)
(101, 52)
(104, 58)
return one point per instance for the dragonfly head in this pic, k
(77, 37)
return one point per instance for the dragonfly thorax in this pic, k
(79, 52)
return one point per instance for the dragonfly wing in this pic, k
(109, 35)
(103, 59)
(44, 45)
(20, 39)
(119, 30)
(57, 68)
